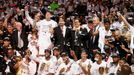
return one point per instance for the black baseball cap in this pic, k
(6, 39)
(90, 21)
(63, 54)
(56, 48)
(115, 55)
(47, 50)
(106, 20)
(99, 53)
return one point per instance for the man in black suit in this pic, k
(62, 36)
(78, 35)
(20, 40)
(93, 36)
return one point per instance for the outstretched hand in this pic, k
(118, 13)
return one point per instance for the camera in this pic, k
(112, 30)
(109, 38)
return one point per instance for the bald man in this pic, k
(20, 40)
(93, 34)
(120, 45)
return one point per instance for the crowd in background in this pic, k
(66, 37)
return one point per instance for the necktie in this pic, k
(93, 37)
(62, 30)
(76, 38)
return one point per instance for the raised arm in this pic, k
(131, 32)
(123, 19)
(31, 21)
(6, 20)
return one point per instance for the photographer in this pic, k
(130, 32)
(10, 62)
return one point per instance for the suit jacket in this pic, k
(92, 45)
(23, 36)
(59, 39)
(79, 38)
